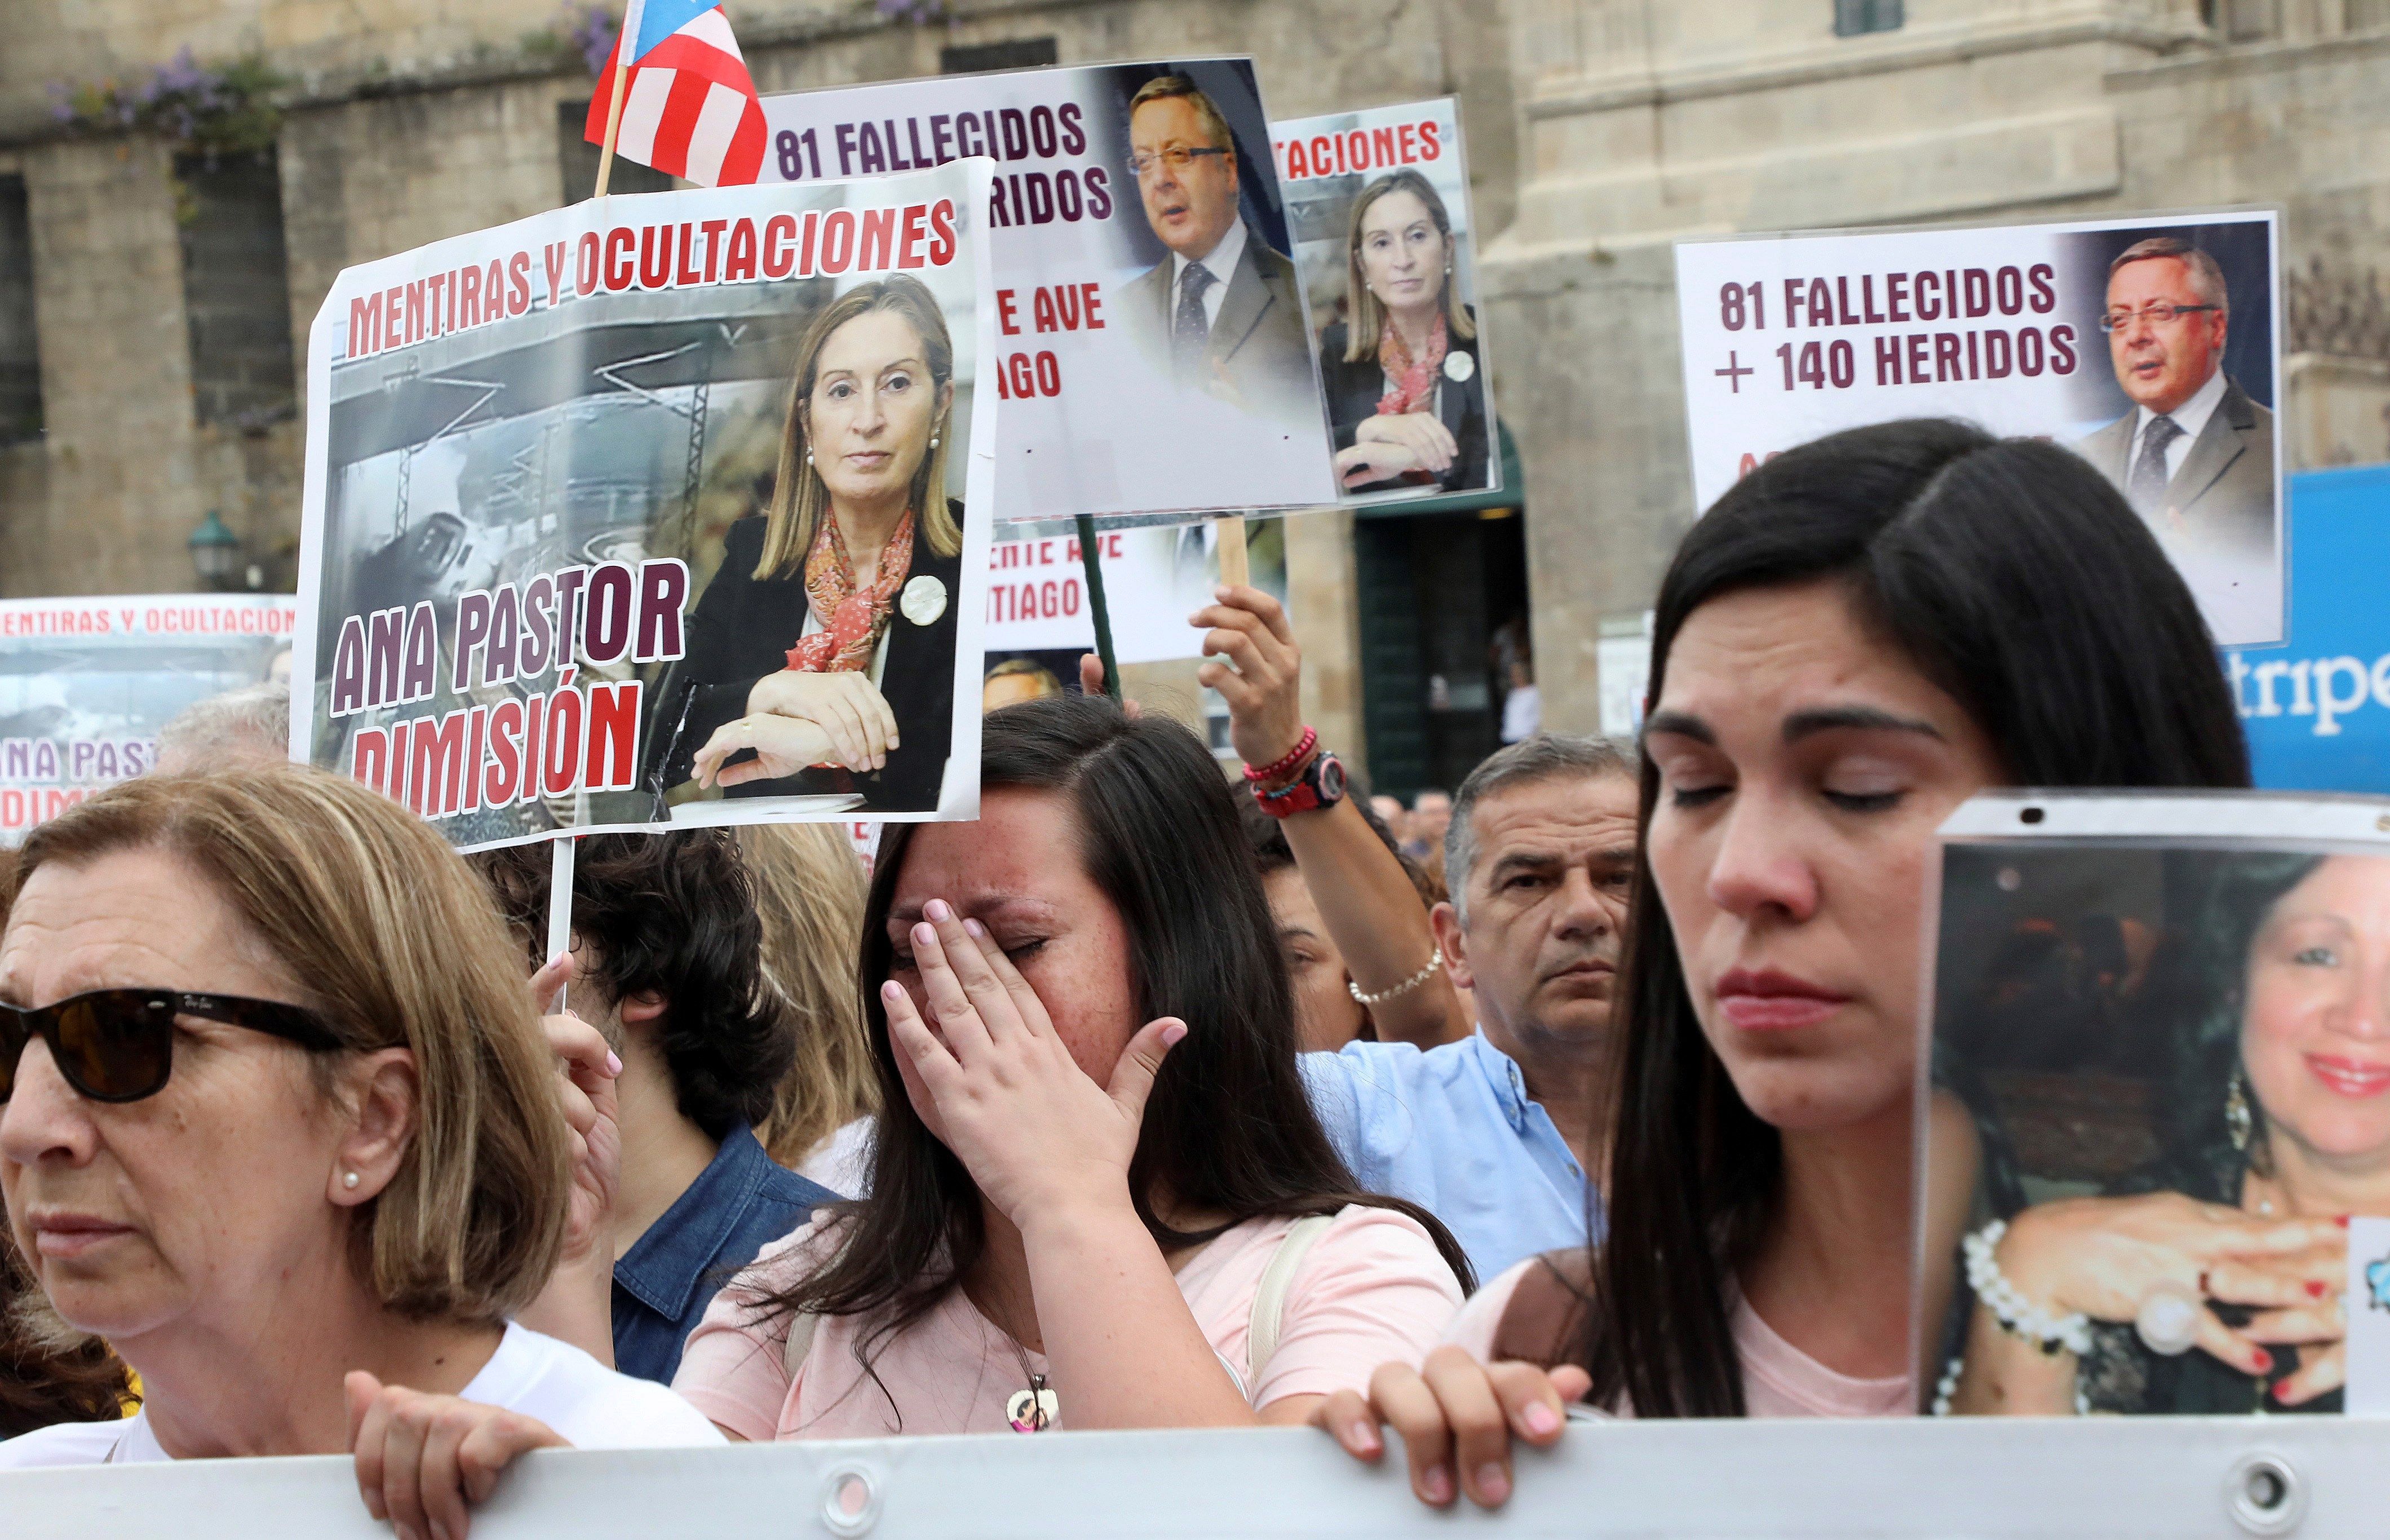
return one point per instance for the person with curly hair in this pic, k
(670, 961)
(48, 1373)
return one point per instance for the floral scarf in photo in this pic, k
(1414, 377)
(853, 621)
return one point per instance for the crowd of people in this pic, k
(1592, 1083)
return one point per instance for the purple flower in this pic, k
(594, 35)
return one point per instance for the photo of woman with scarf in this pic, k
(822, 655)
(1406, 385)
(2211, 1278)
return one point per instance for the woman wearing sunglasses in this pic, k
(276, 1110)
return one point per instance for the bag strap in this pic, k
(802, 1326)
(1544, 1318)
(1269, 1300)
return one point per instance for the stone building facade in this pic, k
(136, 291)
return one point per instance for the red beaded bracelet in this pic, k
(1293, 757)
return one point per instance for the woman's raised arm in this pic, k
(1366, 899)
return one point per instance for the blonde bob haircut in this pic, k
(397, 945)
(1369, 314)
(799, 497)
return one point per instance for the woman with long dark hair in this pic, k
(1099, 1197)
(1094, 1149)
(1859, 636)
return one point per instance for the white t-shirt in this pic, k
(842, 1162)
(588, 1405)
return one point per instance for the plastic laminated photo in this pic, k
(2159, 1111)
(685, 522)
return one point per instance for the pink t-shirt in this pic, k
(1372, 1289)
(1778, 1380)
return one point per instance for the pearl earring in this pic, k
(349, 1180)
(809, 457)
(934, 441)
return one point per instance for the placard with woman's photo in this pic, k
(2158, 1177)
(656, 510)
(1378, 204)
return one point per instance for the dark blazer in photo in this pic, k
(1354, 389)
(741, 630)
(2223, 496)
(1256, 345)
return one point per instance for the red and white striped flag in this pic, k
(690, 107)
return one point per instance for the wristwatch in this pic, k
(1320, 785)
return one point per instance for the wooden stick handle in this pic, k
(1234, 571)
(614, 112)
(559, 903)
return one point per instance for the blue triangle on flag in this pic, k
(660, 18)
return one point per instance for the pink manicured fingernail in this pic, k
(1492, 1484)
(1435, 1483)
(939, 910)
(1366, 1439)
(925, 935)
(613, 1063)
(1540, 1419)
(891, 992)
(974, 928)
(1174, 1032)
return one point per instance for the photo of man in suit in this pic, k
(2195, 454)
(1222, 314)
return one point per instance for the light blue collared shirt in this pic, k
(1452, 1130)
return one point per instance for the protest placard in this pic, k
(1126, 394)
(2150, 346)
(85, 684)
(2161, 1088)
(1154, 577)
(576, 490)
(1383, 239)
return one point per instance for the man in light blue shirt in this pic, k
(1490, 1134)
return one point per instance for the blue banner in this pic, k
(2317, 707)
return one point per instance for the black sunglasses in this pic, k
(118, 1044)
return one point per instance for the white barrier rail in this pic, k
(2319, 1478)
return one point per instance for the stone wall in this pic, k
(1598, 132)
(120, 439)
(415, 120)
(1642, 125)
